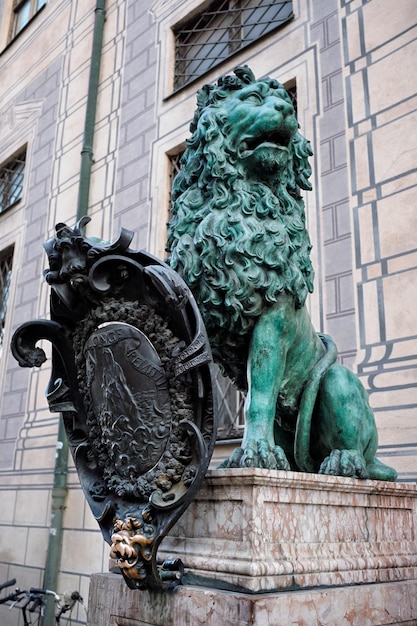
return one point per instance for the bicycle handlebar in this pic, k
(36, 602)
(12, 596)
(8, 583)
(34, 598)
(44, 592)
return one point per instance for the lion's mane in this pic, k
(237, 242)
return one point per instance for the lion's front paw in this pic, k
(344, 463)
(258, 454)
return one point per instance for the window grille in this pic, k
(11, 181)
(174, 167)
(225, 27)
(230, 405)
(6, 260)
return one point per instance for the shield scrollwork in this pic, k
(132, 377)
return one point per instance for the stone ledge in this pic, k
(112, 603)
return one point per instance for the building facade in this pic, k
(350, 68)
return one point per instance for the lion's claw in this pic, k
(258, 454)
(344, 463)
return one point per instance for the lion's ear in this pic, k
(245, 74)
(203, 99)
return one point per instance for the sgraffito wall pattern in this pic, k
(381, 98)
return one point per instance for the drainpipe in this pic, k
(59, 491)
(90, 114)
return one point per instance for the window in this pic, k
(23, 11)
(174, 168)
(6, 259)
(291, 89)
(11, 181)
(230, 404)
(225, 27)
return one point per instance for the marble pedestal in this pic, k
(269, 548)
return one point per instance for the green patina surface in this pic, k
(238, 237)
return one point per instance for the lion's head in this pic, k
(237, 233)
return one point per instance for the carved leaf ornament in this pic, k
(132, 376)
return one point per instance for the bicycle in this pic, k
(34, 600)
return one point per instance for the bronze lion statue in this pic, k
(237, 235)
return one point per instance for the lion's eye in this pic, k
(253, 97)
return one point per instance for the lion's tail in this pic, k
(308, 399)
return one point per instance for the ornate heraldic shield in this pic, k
(132, 376)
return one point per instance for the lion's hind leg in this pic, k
(352, 463)
(344, 463)
(379, 471)
(345, 430)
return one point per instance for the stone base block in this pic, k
(269, 548)
(263, 530)
(111, 603)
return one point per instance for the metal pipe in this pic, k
(59, 494)
(87, 157)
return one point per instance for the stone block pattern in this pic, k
(42, 91)
(138, 124)
(381, 112)
(331, 162)
(45, 99)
